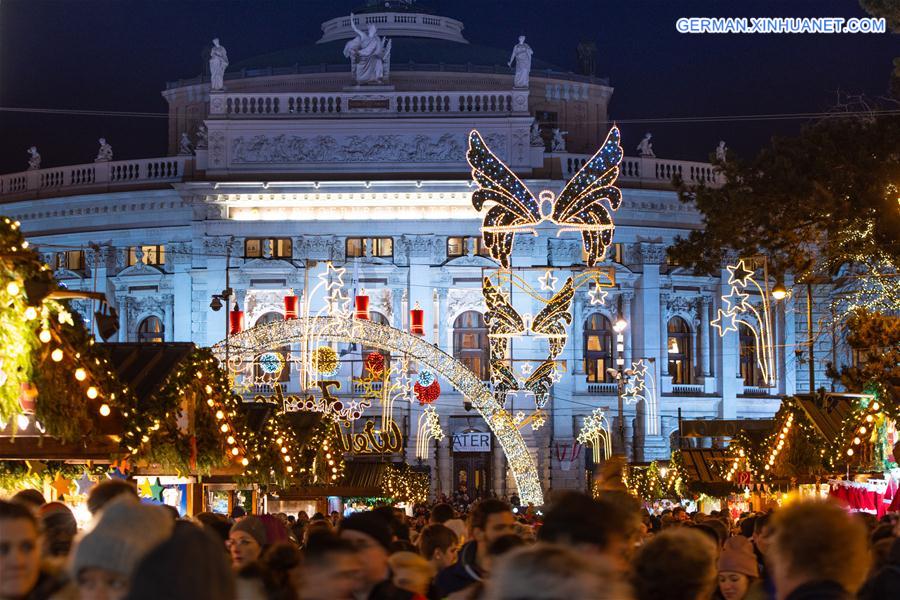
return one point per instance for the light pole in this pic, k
(225, 297)
(619, 327)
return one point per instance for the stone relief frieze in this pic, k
(460, 300)
(564, 252)
(419, 148)
(683, 306)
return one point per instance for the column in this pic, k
(444, 466)
(664, 377)
(441, 341)
(578, 334)
(399, 320)
(168, 318)
(703, 336)
(627, 297)
(730, 371)
(499, 468)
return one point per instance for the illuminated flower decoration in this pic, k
(427, 394)
(375, 363)
(426, 377)
(271, 363)
(325, 361)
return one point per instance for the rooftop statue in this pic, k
(535, 134)
(558, 143)
(202, 137)
(34, 159)
(521, 54)
(721, 151)
(218, 62)
(184, 145)
(105, 153)
(645, 148)
(370, 55)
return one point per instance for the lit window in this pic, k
(149, 255)
(381, 247)
(750, 371)
(256, 247)
(470, 343)
(459, 246)
(598, 336)
(151, 330)
(615, 253)
(678, 345)
(72, 260)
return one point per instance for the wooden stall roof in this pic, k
(827, 413)
(361, 478)
(723, 427)
(143, 367)
(703, 464)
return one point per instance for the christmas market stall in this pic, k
(830, 443)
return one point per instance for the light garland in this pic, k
(740, 310)
(339, 329)
(429, 428)
(595, 433)
(403, 484)
(639, 387)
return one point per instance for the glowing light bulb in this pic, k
(30, 313)
(235, 451)
(22, 421)
(862, 430)
(12, 288)
(104, 410)
(290, 469)
(245, 462)
(224, 428)
(849, 451)
(230, 440)
(80, 374)
(208, 389)
(220, 415)
(44, 336)
(283, 450)
(92, 392)
(56, 355)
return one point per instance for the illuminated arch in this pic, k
(249, 343)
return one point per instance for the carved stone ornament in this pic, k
(316, 247)
(138, 308)
(681, 306)
(447, 148)
(460, 300)
(217, 142)
(563, 252)
(650, 253)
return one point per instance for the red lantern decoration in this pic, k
(235, 321)
(361, 303)
(427, 394)
(290, 307)
(375, 363)
(417, 321)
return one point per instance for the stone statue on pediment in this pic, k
(34, 159)
(645, 148)
(218, 62)
(521, 55)
(105, 153)
(369, 54)
(558, 143)
(202, 137)
(721, 151)
(535, 134)
(185, 147)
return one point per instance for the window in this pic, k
(459, 246)
(284, 351)
(72, 260)
(678, 344)
(615, 253)
(749, 367)
(470, 343)
(598, 345)
(149, 255)
(151, 330)
(279, 247)
(381, 247)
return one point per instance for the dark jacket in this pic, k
(820, 590)
(460, 574)
(884, 584)
(388, 591)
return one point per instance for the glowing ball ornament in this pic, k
(375, 363)
(271, 363)
(325, 361)
(427, 394)
(426, 377)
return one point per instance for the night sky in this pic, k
(116, 55)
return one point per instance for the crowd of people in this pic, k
(581, 548)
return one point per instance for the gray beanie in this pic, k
(253, 527)
(127, 530)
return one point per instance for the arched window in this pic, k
(598, 345)
(284, 351)
(470, 343)
(678, 344)
(151, 330)
(749, 367)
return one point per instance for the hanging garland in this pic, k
(403, 484)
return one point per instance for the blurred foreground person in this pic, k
(60, 528)
(439, 546)
(818, 552)
(105, 559)
(677, 564)
(885, 583)
(551, 572)
(190, 565)
(246, 541)
(21, 576)
(411, 572)
(370, 533)
(102, 493)
(331, 569)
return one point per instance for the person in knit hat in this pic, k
(246, 541)
(370, 533)
(105, 558)
(738, 571)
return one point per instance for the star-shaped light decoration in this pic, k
(597, 295)
(526, 369)
(739, 274)
(156, 490)
(84, 483)
(61, 485)
(520, 416)
(548, 282)
(338, 302)
(639, 368)
(735, 301)
(333, 278)
(556, 375)
(724, 322)
(538, 421)
(144, 489)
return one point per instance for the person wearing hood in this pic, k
(105, 559)
(490, 520)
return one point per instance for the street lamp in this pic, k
(621, 376)
(779, 292)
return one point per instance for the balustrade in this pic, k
(647, 170)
